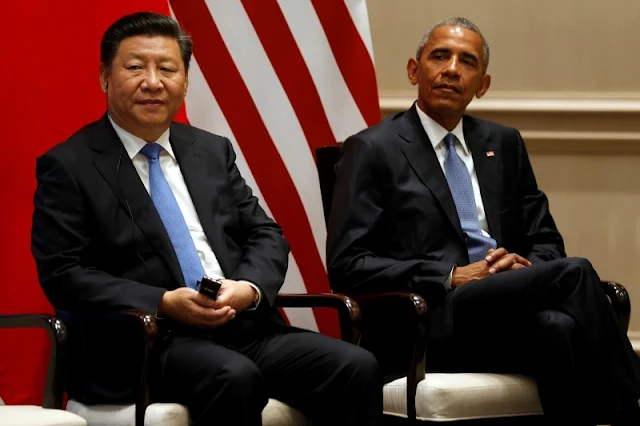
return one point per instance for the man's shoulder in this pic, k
(76, 145)
(488, 126)
(188, 131)
(383, 132)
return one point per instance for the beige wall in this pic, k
(567, 74)
(541, 45)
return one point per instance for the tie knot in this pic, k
(450, 140)
(151, 151)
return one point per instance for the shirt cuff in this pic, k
(447, 283)
(259, 294)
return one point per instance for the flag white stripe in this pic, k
(342, 112)
(205, 113)
(360, 17)
(275, 109)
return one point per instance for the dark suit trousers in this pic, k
(553, 321)
(227, 376)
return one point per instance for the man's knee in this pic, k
(360, 363)
(242, 372)
(579, 271)
(551, 323)
(580, 264)
(237, 376)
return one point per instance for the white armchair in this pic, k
(34, 415)
(393, 327)
(100, 328)
(50, 413)
(275, 413)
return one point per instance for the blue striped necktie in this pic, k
(461, 188)
(172, 218)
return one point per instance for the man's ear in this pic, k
(486, 83)
(104, 78)
(412, 71)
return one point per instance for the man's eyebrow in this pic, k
(440, 50)
(446, 50)
(140, 56)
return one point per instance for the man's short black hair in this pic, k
(143, 23)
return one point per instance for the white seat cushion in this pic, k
(275, 413)
(124, 415)
(461, 396)
(278, 413)
(33, 415)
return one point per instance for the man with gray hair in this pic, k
(446, 205)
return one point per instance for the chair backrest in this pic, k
(391, 341)
(326, 160)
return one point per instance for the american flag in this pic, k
(281, 78)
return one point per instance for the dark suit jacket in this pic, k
(100, 245)
(394, 224)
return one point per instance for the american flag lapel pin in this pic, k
(490, 153)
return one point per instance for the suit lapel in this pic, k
(201, 181)
(115, 166)
(423, 160)
(486, 159)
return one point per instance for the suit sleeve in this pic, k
(354, 265)
(61, 240)
(540, 230)
(265, 251)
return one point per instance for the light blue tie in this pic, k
(462, 191)
(172, 218)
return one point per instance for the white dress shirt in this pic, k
(436, 134)
(171, 170)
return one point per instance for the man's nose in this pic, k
(152, 80)
(453, 67)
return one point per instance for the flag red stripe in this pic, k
(263, 159)
(291, 69)
(352, 56)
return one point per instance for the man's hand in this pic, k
(498, 260)
(501, 260)
(235, 294)
(190, 307)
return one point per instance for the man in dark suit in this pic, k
(447, 205)
(134, 209)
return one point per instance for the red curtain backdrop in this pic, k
(49, 86)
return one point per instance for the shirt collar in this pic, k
(133, 144)
(436, 132)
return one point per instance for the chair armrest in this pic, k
(148, 322)
(138, 329)
(620, 302)
(393, 328)
(348, 310)
(394, 324)
(149, 326)
(57, 333)
(413, 305)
